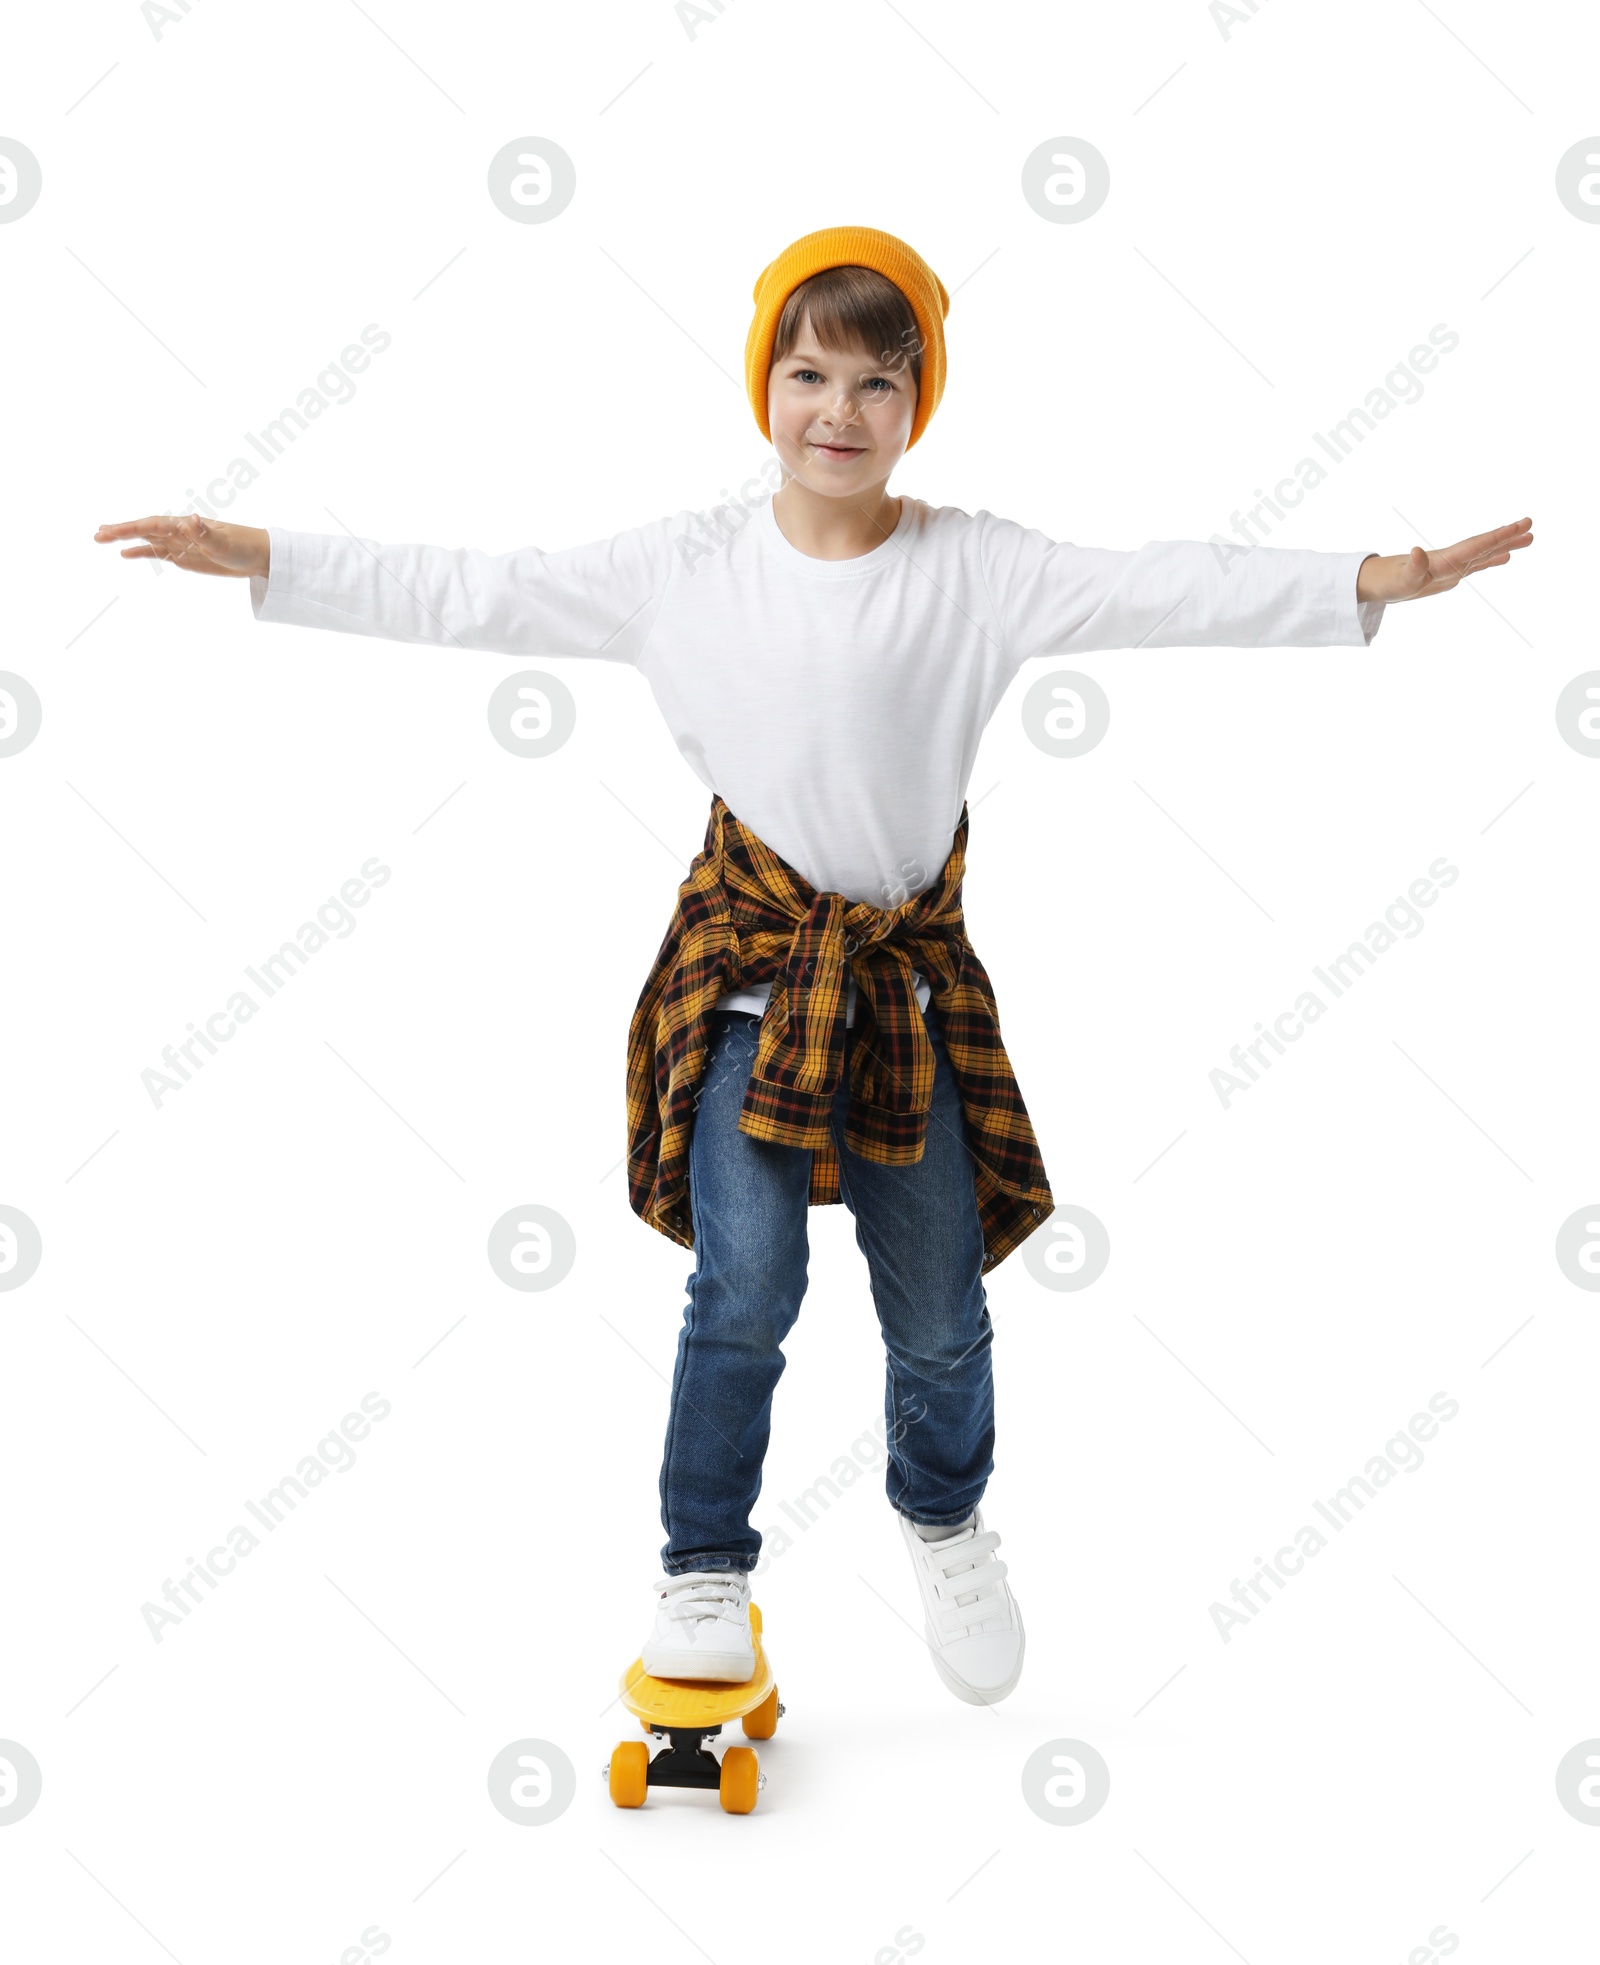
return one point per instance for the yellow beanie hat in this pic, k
(849, 245)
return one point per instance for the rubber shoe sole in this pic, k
(684, 1662)
(974, 1695)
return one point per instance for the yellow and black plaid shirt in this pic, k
(744, 916)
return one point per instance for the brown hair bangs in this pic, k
(853, 306)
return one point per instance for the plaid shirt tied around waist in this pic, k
(744, 916)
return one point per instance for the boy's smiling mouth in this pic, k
(838, 449)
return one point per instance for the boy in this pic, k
(817, 1027)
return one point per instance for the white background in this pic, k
(225, 206)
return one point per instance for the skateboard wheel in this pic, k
(741, 1780)
(629, 1762)
(763, 1722)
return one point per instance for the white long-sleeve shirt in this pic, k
(836, 705)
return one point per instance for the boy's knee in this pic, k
(759, 1271)
(944, 1345)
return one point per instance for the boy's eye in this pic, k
(806, 374)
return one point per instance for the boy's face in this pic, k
(839, 417)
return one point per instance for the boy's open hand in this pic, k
(197, 545)
(1414, 575)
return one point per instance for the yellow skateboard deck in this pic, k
(687, 1710)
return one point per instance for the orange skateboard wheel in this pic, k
(740, 1783)
(629, 1762)
(763, 1722)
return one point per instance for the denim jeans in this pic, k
(917, 1226)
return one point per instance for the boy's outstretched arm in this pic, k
(1054, 597)
(1415, 575)
(592, 600)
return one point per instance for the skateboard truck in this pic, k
(686, 1762)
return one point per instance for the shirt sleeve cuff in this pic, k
(1366, 616)
(268, 596)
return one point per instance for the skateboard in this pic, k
(690, 1711)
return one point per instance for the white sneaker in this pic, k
(972, 1622)
(702, 1627)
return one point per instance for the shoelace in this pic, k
(966, 1580)
(696, 1599)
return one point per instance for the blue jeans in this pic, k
(917, 1226)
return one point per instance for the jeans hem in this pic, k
(934, 1521)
